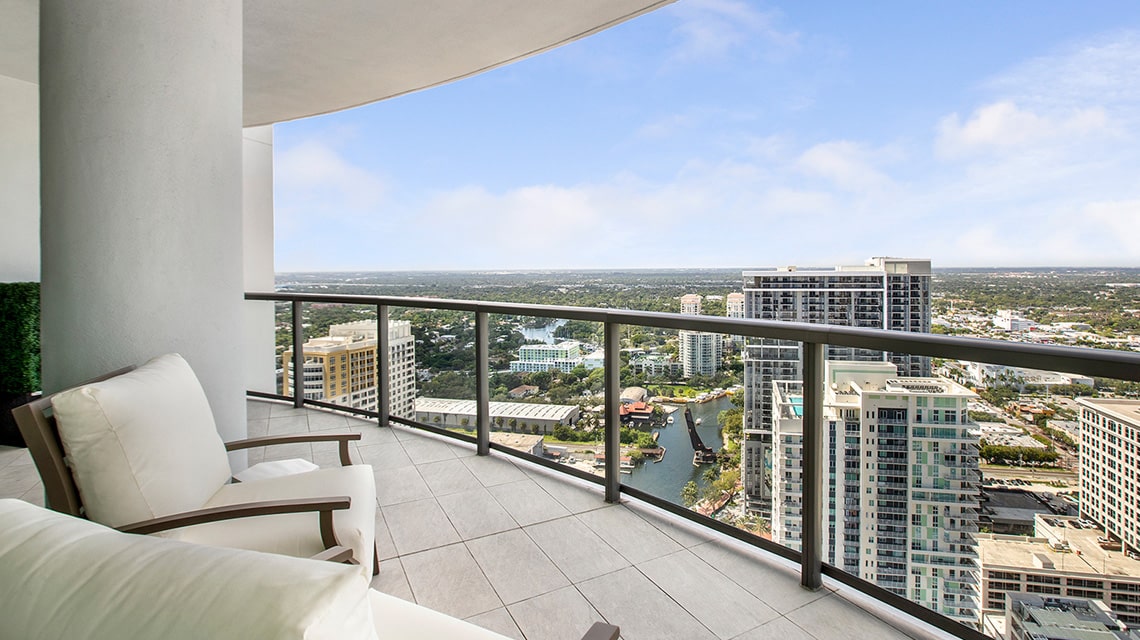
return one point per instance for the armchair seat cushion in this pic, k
(64, 577)
(295, 534)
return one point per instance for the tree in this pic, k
(689, 494)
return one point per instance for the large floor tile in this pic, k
(628, 599)
(255, 410)
(419, 525)
(303, 450)
(686, 534)
(575, 497)
(16, 480)
(834, 617)
(499, 621)
(476, 513)
(394, 486)
(716, 601)
(281, 409)
(559, 615)
(635, 539)
(577, 550)
(424, 450)
(493, 469)
(448, 476)
(778, 629)
(527, 502)
(385, 456)
(385, 547)
(393, 581)
(287, 425)
(776, 586)
(322, 421)
(516, 567)
(448, 580)
(257, 428)
(370, 433)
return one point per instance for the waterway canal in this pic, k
(664, 479)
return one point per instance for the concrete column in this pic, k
(19, 180)
(257, 253)
(141, 191)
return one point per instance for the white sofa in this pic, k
(64, 577)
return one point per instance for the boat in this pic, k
(698, 421)
(669, 420)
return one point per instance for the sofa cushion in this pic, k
(142, 445)
(64, 577)
(296, 534)
(397, 619)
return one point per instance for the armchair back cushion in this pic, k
(64, 577)
(143, 444)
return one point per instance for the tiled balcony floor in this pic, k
(532, 554)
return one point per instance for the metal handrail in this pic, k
(814, 339)
(1122, 365)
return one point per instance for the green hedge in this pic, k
(19, 337)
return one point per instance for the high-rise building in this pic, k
(734, 308)
(699, 352)
(341, 368)
(1110, 458)
(691, 304)
(884, 293)
(901, 488)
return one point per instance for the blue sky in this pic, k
(731, 133)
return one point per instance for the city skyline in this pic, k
(997, 136)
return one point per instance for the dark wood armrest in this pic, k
(342, 438)
(602, 631)
(338, 554)
(325, 506)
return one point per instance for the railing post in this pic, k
(383, 366)
(298, 358)
(482, 384)
(813, 469)
(613, 411)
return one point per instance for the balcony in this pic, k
(532, 553)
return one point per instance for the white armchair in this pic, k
(139, 451)
(64, 577)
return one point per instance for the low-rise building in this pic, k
(1064, 558)
(525, 442)
(564, 357)
(1034, 617)
(519, 417)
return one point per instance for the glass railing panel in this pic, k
(546, 382)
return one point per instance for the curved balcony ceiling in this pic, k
(306, 58)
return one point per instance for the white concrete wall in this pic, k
(19, 180)
(257, 257)
(141, 170)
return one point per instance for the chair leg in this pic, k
(375, 560)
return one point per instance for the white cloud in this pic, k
(710, 29)
(1120, 222)
(1003, 126)
(1104, 69)
(846, 164)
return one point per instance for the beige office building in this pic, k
(341, 367)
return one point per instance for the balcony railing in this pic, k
(814, 339)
